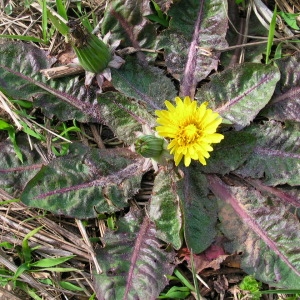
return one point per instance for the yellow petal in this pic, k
(177, 158)
(202, 160)
(169, 106)
(187, 160)
(213, 138)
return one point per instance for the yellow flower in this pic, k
(191, 129)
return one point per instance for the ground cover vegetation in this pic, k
(149, 149)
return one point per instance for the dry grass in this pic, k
(59, 237)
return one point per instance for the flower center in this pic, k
(188, 134)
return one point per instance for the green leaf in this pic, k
(22, 103)
(46, 281)
(164, 209)
(21, 269)
(6, 245)
(276, 155)
(184, 280)
(58, 24)
(290, 19)
(144, 83)
(240, 92)
(195, 27)
(260, 225)
(86, 181)
(55, 269)
(13, 173)
(70, 286)
(26, 250)
(250, 284)
(297, 291)
(133, 261)
(231, 153)
(271, 34)
(159, 17)
(8, 9)
(12, 135)
(43, 5)
(198, 211)
(61, 9)
(27, 289)
(5, 126)
(22, 38)
(50, 262)
(31, 132)
(124, 116)
(67, 98)
(175, 292)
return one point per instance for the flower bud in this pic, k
(149, 146)
(93, 54)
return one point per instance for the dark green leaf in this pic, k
(263, 229)
(285, 104)
(133, 260)
(144, 83)
(276, 155)
(125, 20)
(198, 211)
(67, 98)
(87, 183)
(164, 208)
(231, 153)
(240, 92)
(13, 173)
(124, 116)
(195, 27)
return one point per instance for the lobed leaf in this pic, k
(240, 92)
(133, 261)
(144, 83)
(123, 115)
(198, 211)
(285, 103)
(67, 98)
(263, 229)
(196, 28)
(276, 156)
(288, 195)
(125, 21)
(85, 183)
(231, 153)
(164, 209)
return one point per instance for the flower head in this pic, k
(94, 54)
(191, 129)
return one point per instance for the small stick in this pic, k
(62, 71)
